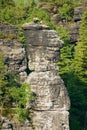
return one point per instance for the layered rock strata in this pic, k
(13, 50)
(51, 103)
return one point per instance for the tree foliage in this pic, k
(13, 95)
(21, 95)
(73, 69)
(3, 82)
(66, 12)
(81, 50)
(5, 3)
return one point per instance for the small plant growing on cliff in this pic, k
(66, 12)
(13, 95)
(22, 95)
(3, 82)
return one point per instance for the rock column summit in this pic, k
(51, 99)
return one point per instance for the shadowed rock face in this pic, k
(51, 101)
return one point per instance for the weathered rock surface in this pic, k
(5, 124)
(73, 29)
(13, 51)
(56, 18)
(10, 125)
(75, 26)
(8, 29)
(51, 99)
(77, 13)
(51, 105)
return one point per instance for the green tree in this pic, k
(2, 70)
(66, 11)
(66, 51)
(4, 3)
(22, 96)
(80, 61)
(13, 94)
(3, 82)
(78, 99)
(73, 73)
(5, 87)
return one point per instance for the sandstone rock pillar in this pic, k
(51, 99)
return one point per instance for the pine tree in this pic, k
(80, 62)
(74, 76)
(80, 65)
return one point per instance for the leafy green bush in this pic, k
(66, 52)
(80, 55)
(66, 12)
(63, 33)
(5, 3)
(21, 96)
(11, 92)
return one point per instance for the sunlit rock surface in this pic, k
(51, 105)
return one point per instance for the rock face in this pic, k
(5, 124)
(73, 28)
(15, 57)
(56, 18)
(77, 13)
(51, 103)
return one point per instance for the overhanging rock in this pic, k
(51, 99)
